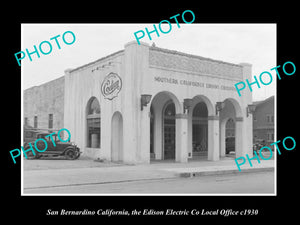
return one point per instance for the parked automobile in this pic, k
(67, 149)
(29, 135)
(230, 144)
(258, 144)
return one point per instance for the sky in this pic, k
(234, 43)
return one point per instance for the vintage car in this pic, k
(258, 144)
(30, 134)
(67, 149)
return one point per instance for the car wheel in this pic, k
(70, 154)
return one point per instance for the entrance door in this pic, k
(199, 138)
(169, 131)
(230, 136)
(200, 130)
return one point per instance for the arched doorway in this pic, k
(164, 106)
(93, 122)
(231, 119)
(199, 131)
(200, 142)
(117, 137)
(169, 130)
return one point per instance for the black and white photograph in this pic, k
(117, 115)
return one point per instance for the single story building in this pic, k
(145, 102)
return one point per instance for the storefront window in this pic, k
(93, 124)
(230, 128)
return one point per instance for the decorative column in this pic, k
(144, 154)
(157, 133)
(190, 134)
(181, 154)
(222, 138)
(239, 151)
(213, 138)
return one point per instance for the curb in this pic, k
(95, 183)
(220, 172)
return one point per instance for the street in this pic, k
(243, 183)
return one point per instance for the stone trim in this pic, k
(213, 118)
(181, 61)
(239, 119)
(174, 52)
(96, 61)
(181, 116)
(189, 72)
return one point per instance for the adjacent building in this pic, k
(263, 121)
(44, 105)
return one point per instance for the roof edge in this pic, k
(264, 101)
(36, 86)
(98, 60)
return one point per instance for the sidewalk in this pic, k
(222, 167)
(39, 178)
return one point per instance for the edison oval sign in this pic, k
(111, 86)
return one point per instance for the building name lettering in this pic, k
(111, 86)
(192, 83)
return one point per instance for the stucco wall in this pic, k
(81, 84)
(143, 70)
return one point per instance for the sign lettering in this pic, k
(111, 86)
(192, 83)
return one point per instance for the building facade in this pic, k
(146, 102)
(263, 121)
(44, 105)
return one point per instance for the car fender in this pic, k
(68, 148)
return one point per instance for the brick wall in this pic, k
(263, 124)
(43, 100)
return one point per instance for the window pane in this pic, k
(35, 122)
(50, 121)
(93, 123)
(170, 110)
(94, 107)
(200, 110)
